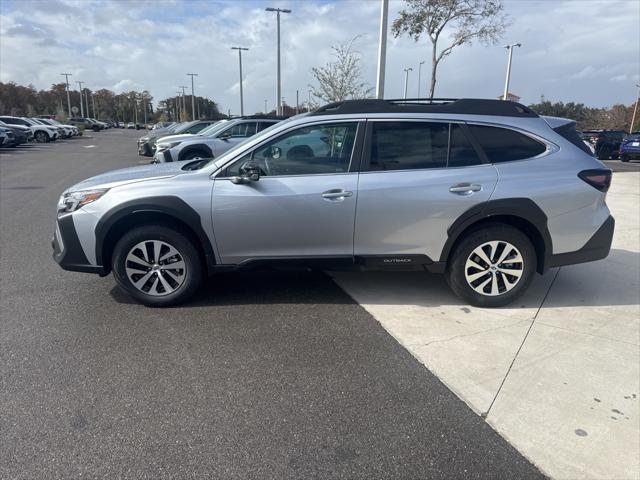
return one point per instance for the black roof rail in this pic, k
(469, 106)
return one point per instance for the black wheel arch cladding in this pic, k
(169, 206)
(522, 208)
(195, 148)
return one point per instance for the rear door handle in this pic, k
(336, 194)
(465, 188)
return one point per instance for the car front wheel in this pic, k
(492, 266)
(157, 265)
(41, 137)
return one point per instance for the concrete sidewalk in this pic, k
(558, 373)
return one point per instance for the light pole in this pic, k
(382, 48)
(86, 100)
(309, 101)
(240, 49)
(184, 101)
(506, 82)
(81, 106)
(635, 110)
(193, 102)
(419, 76)
(406, 80)
(279, 86)
(297, 102)
(93, 103)
(67, 75)
(265, 105)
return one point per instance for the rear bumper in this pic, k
(67, 251)
(596, 248)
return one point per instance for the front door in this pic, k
(303, 204)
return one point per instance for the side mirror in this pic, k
(249, 172)
(225, 135)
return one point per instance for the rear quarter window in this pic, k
(505, 145)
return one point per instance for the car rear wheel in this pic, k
(624, 157)
(492, 266)
(157, 265)
(41, 137)
(604, 153)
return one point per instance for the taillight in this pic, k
(598, 178)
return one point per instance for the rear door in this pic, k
(416, 179)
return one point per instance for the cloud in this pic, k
(571, 48)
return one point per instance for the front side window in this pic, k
(311, 150)
(505, 145)
(408, 145)
(241, 130)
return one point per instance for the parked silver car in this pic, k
(212, 142)
(484, 191)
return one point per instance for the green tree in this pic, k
(467, 20)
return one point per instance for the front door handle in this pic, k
(465, 188)
(336, 194)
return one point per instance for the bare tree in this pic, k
(483, 20)
(341, 79)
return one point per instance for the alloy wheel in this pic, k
(155, 267)
(494, 268)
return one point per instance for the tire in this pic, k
(195, 155)
(462, 276)
(182, 282)
(604, 153)
(41, 137)
(624, 158)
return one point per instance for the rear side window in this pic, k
(568, 132)
(408, 145)
(504, 145)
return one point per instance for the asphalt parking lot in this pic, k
(270, 375)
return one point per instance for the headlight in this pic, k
(72, 201)
(167, 146)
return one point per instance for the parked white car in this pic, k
(42, 133)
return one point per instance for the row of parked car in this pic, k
(608, 144)
(15, 131)
(201, 138)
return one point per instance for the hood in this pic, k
(123, 176)
(175, 138)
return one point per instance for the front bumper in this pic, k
(596, 248)
(67, 251)
(163, 157)
(144, 149)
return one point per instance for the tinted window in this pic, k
(312, 150)
(408, 145)
(504, 145)
(461, 152)
(569, 133)
(242, 130)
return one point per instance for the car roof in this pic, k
(465, 106)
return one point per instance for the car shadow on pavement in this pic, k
(608, 282)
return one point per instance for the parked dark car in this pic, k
(88, 124)
(630, 148)
(21, 134)
(607, 144)
(7, 138)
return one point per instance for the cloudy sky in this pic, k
(573, 50)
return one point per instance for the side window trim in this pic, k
(354, 162)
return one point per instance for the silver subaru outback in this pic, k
(484, 191)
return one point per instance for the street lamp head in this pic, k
(281, 10)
